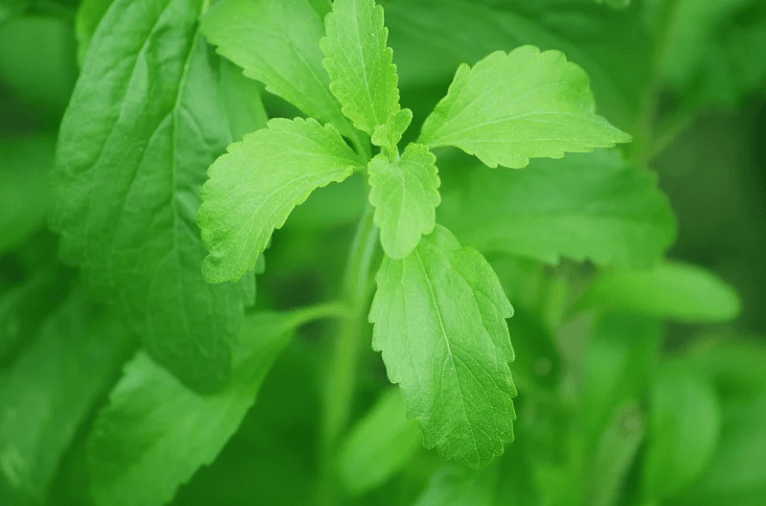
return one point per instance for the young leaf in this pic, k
(155, 433)
(143, 125)
(511, 107)
(439, 321)
(381, 444)
(586, 206)
(48, 391)
(254, 187)
(359, 63)
(671, 290)
(404, 193)
(277, 43)
(390, 134)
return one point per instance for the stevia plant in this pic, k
(171, 183)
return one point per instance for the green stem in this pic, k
(310, 313)
(341, 381)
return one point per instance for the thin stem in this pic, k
(341, 381)
(320, 311)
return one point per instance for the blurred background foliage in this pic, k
(687, 78)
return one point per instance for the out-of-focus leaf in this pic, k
(47, 392)
(155, 433)
(584, 206)
(537, 359)
(431, 38)
(735, 365)
(735, 473)
(37, 60)
(684, 424)
(24, 191)
(242, 99)
(672, 290)
(508, 481)
(620, 359)
(381, 443)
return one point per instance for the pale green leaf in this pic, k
(405, 195)
(48, 391)
(511, 107)
(586, 206)
(277, 43)
(390, 134)
(673, 290)
(155, 433)
(144, 123)
(439, 321)
(253, 188)
(684, 424)
(89, 14)
(360, 64)
(380, 444)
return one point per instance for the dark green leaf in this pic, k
(592, 206)
(155, 433)
(144, 124)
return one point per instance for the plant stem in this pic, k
(341, 380)
(319, 311)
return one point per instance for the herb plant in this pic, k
(499, 243)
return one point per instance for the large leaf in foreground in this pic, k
(405, 195)
(48, 391)
(253, 188)
(142, 127)
(155, 433)
(439, 318)
(511, 107)
(360, 64)
(277, 43)
(586, 206)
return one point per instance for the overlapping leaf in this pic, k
(277, 43)
(439, 321)
(142, 127)
(253, 188)
(155, 433)
(405, 195)
(511, 107)
(592, 206)
(360, 64)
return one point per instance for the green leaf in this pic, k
(360, 64)
(672, 290)
(24, 190)
(49, 390)
(253, 188)
(684, 424)
(405, 195)
(524, 104)
(390, 134)
(89, 15)
(143, 125)
(590, 206)
(242, 99)
(432, 37)
(619, 365)
(155, 433)
(439, 321)
(277, 43)
(380, 444)
(507, 481)
(734, 474)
